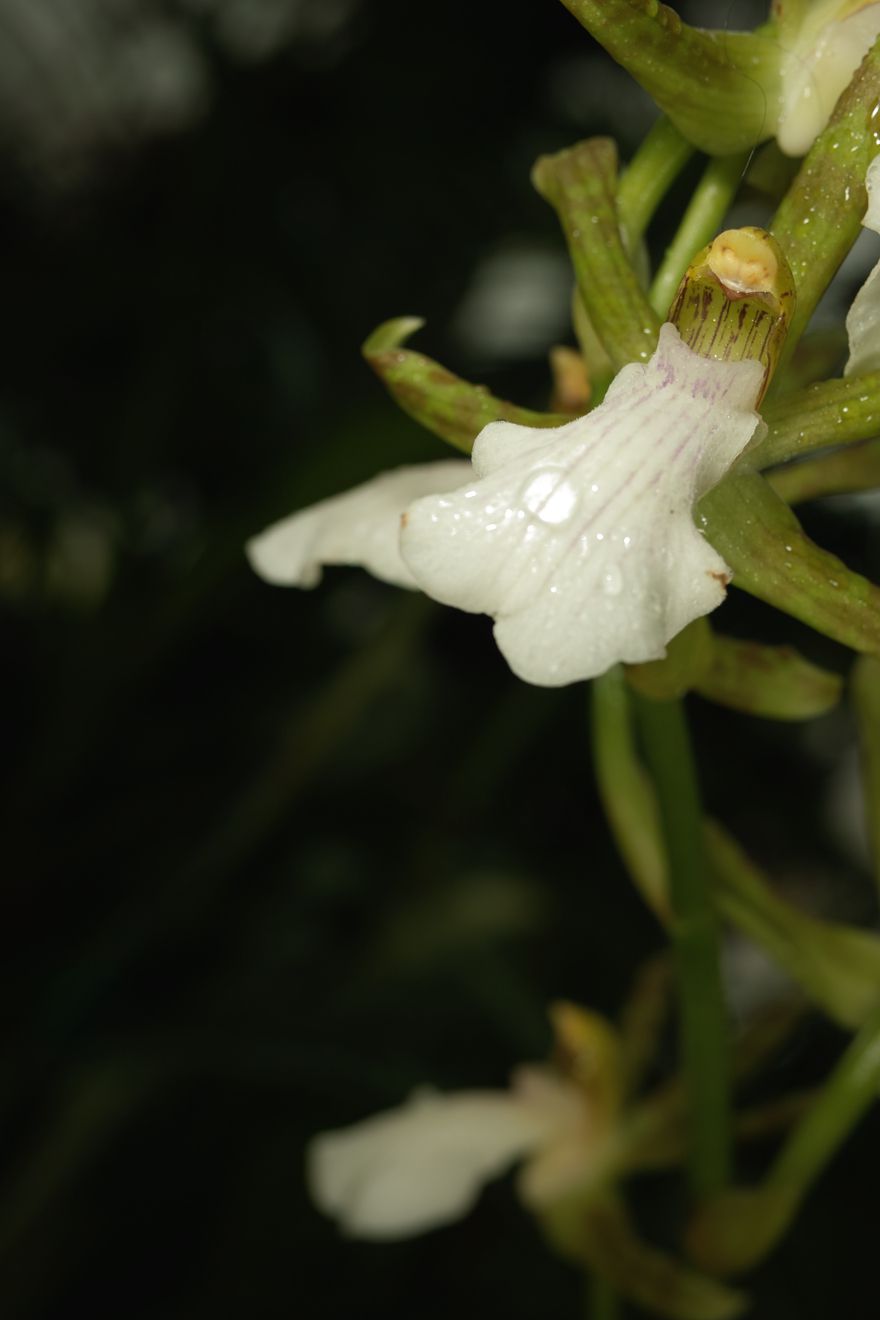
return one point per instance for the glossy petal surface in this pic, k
(579, 541)
(361, 526)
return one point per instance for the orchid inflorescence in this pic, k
(599, 538)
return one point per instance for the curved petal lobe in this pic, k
(361, 526)
(579, 541)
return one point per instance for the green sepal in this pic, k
(580, 183)
(820, 216)
(720, 89)
(771, 557)
(452, 408)
(599, 369)
(833, 412)
(837, 966)
(865, 692)
(771, 681)
(841, 472)
(688, 658)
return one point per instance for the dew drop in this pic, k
(612, 581)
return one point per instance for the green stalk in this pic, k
(846, 1096)
(701, 222)
(653, 169)
(696, 944)
(603, 1302)
(736, 1231)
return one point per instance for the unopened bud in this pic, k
(736, 300)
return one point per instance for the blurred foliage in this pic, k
(272, 859)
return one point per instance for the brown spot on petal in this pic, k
(723, 578)
(404, 519)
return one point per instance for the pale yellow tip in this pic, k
(743, 261)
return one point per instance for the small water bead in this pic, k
(612, 581)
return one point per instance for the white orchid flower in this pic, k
(424, 1164)
(863, 318)
(823, 45)
(578, 540)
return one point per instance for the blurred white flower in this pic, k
(424, 1164)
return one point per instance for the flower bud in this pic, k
(736, 300)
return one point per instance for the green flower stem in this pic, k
(733, 1232)
(865, 690)
(847, 1094)
(627, 794)
(835, 412)
(838, 473)
(651, 172)
(820, 216)
(581, 185)
(701, 222)
(695, 935)
(603, 1302)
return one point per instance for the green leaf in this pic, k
(580, 183)
(833, 412)
(771, 557)
(865, 691)
(837, 966)
(820, 216)
(772, 681)
(718, 88)
(443, 403)
(837, 473)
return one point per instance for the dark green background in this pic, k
(253, 884)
